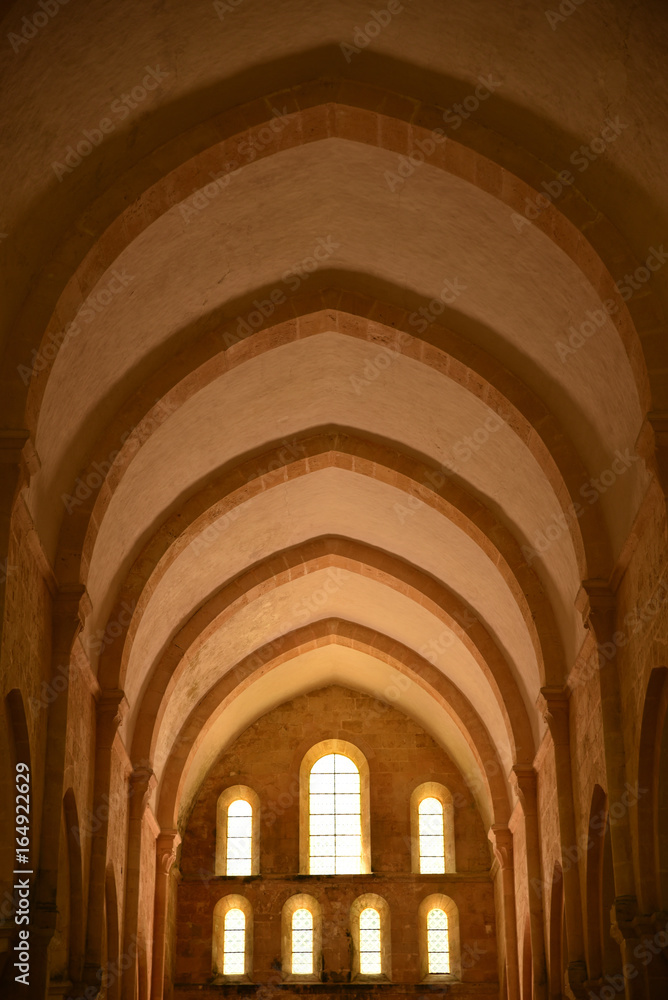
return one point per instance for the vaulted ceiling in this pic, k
(303, 409)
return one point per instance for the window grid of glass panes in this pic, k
(432, 843)
(335, 830)
(302, 943)
(234, 943)
(370, 954)
(438, 948)
(239, 838)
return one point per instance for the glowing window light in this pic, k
(234, 943)
(438, 946)
(239, 838)
(370, 954)
(432, 841)
(335, 821)
(302, 942)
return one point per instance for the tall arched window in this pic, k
(370, 933)
(238, 832)
(334, 810)
(430, 833)
(239, 838)
(335, 813)
(432, 829)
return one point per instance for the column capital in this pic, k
(110, 710)
(601, 598)
(70, 601)
(501, 839)
(554, 704)
(623, 913)
(525, 781)
(166, 846)
(141, 782)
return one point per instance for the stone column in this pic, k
(602, 615)
(526, 784)
(556, 709)
(502, 843)
(142, 782)
(166, 879)
(66, 624)
(111, 707)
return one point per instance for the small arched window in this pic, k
(238, 832)
(232, 939)
(370, 932)
(438, 923)
(432, 830)
(302, 943)
(370, 949)
(302, 938)
(438, 943)
(234, 943)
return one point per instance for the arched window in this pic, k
(431, 837)
(370, 951)
(370, 932)
(302, 938)
(239, 838)
(335, 829)
(234, 943)
(438, 923)
(232, 939)
(432, 830)
(438, 944)
(302, 943)
(238, 832)
(334, 810)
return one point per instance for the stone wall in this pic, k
(401, 755)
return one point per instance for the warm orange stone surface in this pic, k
(334, 378)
